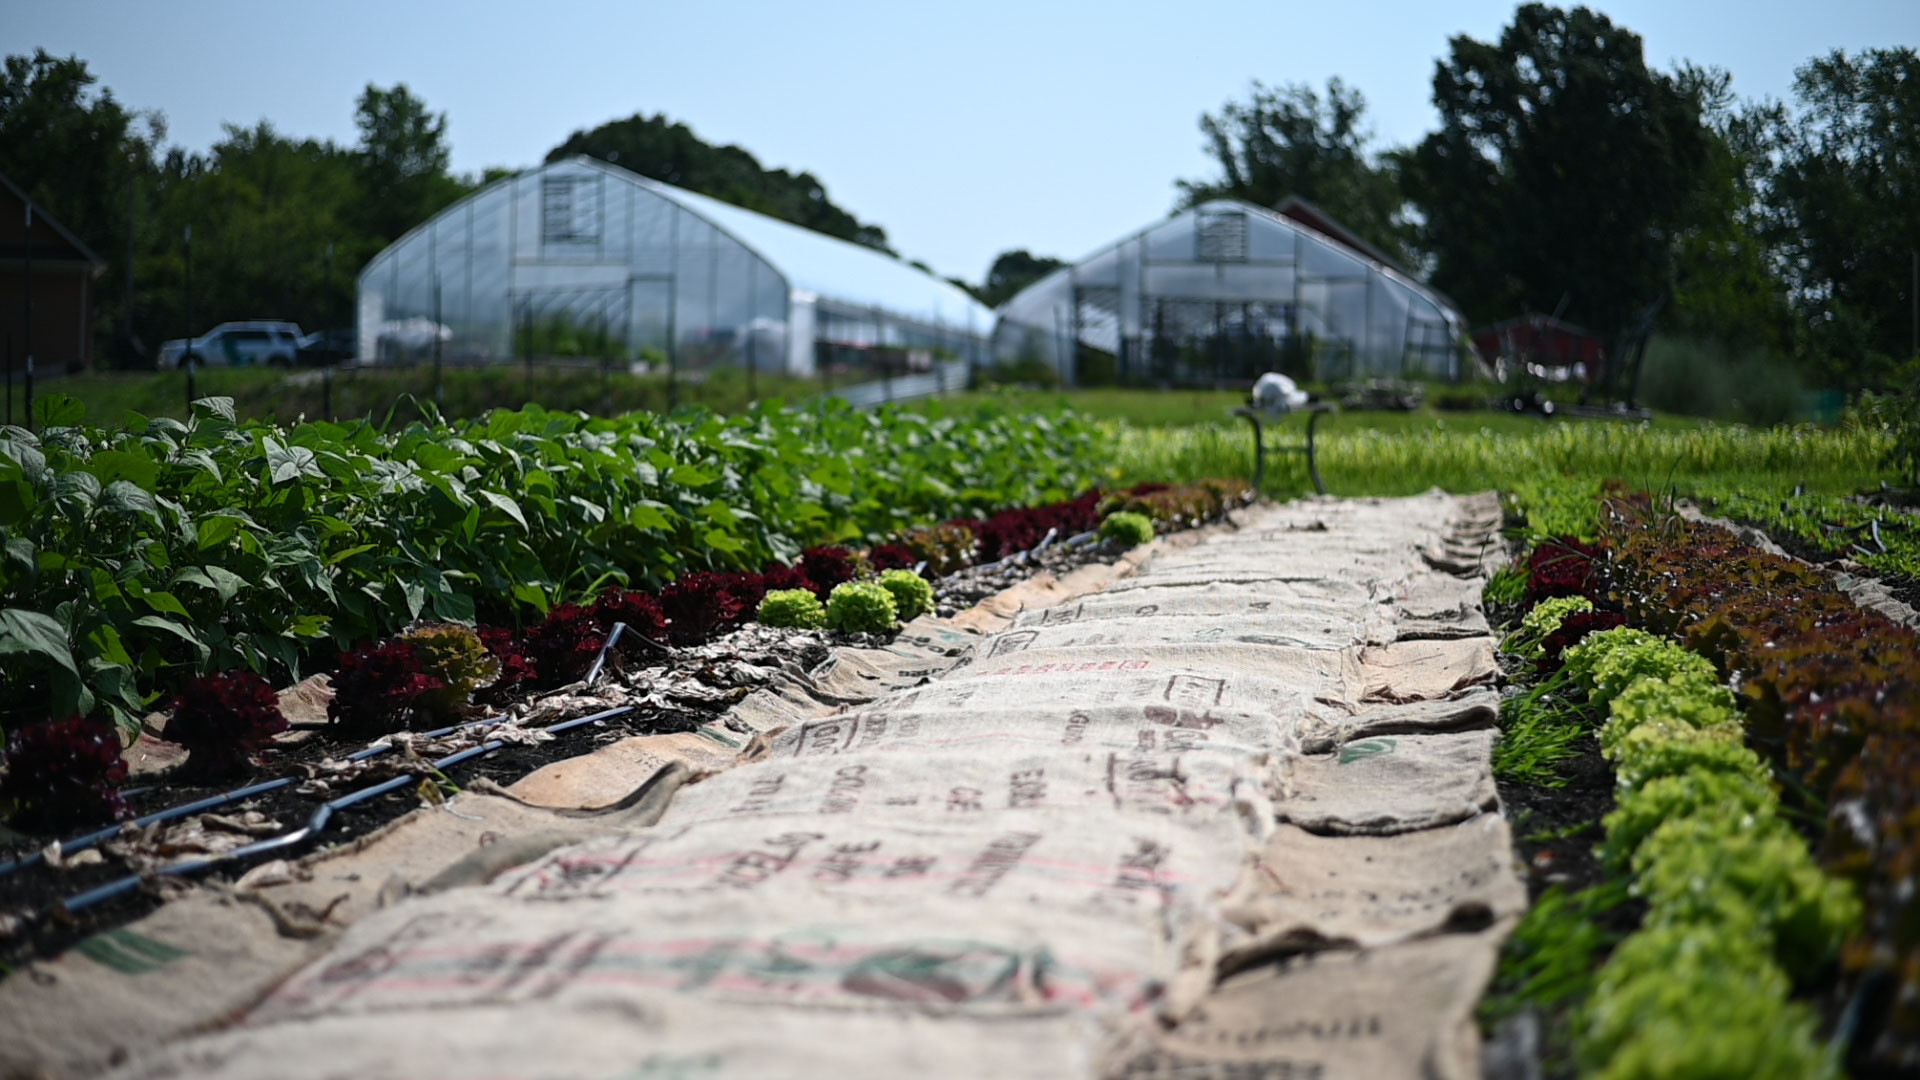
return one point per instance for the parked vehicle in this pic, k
(235, 344)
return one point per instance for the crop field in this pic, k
(1708, 758)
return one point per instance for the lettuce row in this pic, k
(1736, 905)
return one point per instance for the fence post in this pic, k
(439, 377)
(29, 318)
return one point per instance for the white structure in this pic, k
(583, 258)
(1223, 292)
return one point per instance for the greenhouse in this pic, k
(583, 259)
(1221, 293)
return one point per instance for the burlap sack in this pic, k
(193, 962)
(1433, 606)
(604, 776)
(196, 959)
(1053, 684)
(1402, 1011)
(1285, 631)
(663, 1038)
(1426, 670)
(1349, 606)
(1042, 781)
(1390, 784)
(460, 951)
(996, 859)
(1232, 675)
(917, 723)
(1325, 729)
(1308, 891)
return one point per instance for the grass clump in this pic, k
(1540, 731)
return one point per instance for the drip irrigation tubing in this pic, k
(315, 824)
(212, 802)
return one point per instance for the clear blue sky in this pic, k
(962, 129)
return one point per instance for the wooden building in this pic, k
(49, 263)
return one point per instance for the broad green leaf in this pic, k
(125, 497)
(647, 515)
(138, 469)
(29, 633)
(57, 410)
(17, 500)
(221, 407)
(211, 532)
(507, 505)
(224, 583)
(533, 596)
(176, 629)
(291, 462)
(166, 603)
(103, 641)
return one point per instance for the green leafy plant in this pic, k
(1126, 528)
(456, 658)
(862, 607)
(133, 559)
(794, 608)
(1543, 620)
(1708, 792)
(912, 595)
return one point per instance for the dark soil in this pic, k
(1556, 829)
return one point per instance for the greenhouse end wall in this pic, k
(1221, 294)
(581, 260)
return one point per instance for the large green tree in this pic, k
(1291, 140)
(1841, 195)
(80, 154)
(1013, 271)
(670, 152)
(1563, 171)
(403, 159)
(1726, 285)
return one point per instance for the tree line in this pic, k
(1567, 176)
(281, 226)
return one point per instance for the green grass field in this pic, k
(1170, 435)
(1361, 455)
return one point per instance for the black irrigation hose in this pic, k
(321, 816)
(83, 842)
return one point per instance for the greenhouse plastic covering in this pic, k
(1222, 293)
(582, 258)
